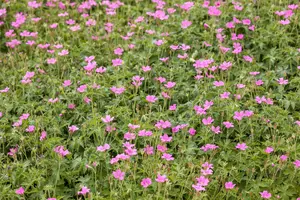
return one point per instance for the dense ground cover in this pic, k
(149, 99)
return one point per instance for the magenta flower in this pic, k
(198, 187)
(172, 107)
(30, 129)
(281, 81)
(82, 88)
(297, 163)
(61, 151)
(269, 150)
(228, 124)
(208, 121)
(73, 129)
(146, 182)
(117, 62)
(229, 185)
(170, 85)
(161, 178)
(165, 138)
(151, 98)
(117, 90)
(51, 61)
(118, 174)
(43, 135)
(167, 157)
(218, 83)
(241, 146)
(265, 194)
(20, 191)
(185, 24)
(84, 191)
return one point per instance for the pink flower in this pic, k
(167, 157)
(73, 129)
(84, 190)
(216, 130)
(208, 121)
(165, 138)
(117, 90)
(60, 150)
(198, 187)
(117, 62)
(281, 81)
(51, 199)
(118, 51)
(283, 157)
(241, 146)
(185, 24)
(218, 83)
(225, 95)
(51, 61)
(239, 115)
(103, 148)
(229, 185)
(118, 174)
(269, 150)
(43, 135)
(146, 68)
(30, 129)
(228, 124)
(20, 191)
(172, 107)
(297, 163)
(284, 22)
(67, 83)
(214, 11)
(82, 88)
(170, 84)
(146, 182)
(151, 98)
(192, 131)
(265, 195)
(209, 147)
(161, 178)
(107, 119)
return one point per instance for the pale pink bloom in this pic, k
(117, 90)
(146, 182)
(51, 199)
(167, 157)
(198, 187)
(164, 59)
(67, 83)
(216, 130)
(149, 150)
(170, 84)
(51, 61)
(82, 88)
(269, 150)
(146, 68)
(281, 81)
(241, 146)
(202, 180)
(107, 119)
(209, 147)
(100, 70)
(208, 121)
(151, 98)
(161, 178)
(229, 185)
(117, 62)
(218, 83)
(43, 135)
(145, 133)
(159, 42)
(284, 22)
(53, 26)
(129, 136)
(265, 195)
(225, 95)
(30, 129)
(73, 129)
(283, 157)
(118, 51)
(90, 22)
(103, 148)
(60, 150)
(297, 122)
(214, 11)
(165, 138)
(20, 191)
(228, 124)
(118, 174)
(185, 24)
(240, 86)
(172, 107)
(75, 28)
(84, 190)
(248, 59)
(63, 52)
(259, 82)
(239, 115)
(297, 163)
(162, 148)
